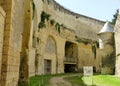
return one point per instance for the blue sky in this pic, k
(99, 9)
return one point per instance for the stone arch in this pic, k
(50, 57)
(50, 45)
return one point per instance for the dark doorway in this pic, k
(70, 68)
(94, 69)
(47, 66)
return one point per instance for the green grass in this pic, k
(39, 80)
(96, 80)
(106, 80)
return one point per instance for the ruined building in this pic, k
(42, 37)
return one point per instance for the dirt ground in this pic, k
(59, 81)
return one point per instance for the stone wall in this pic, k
(23, 39)
(31, 62)
(57, 56)
(86, 57)
(2, 25)
(73, 25)
(117, 45)
(33, 45)
(84, 27)
(12, 41)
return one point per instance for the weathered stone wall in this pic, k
(31, 62)
(73, 25)
(2, 25)
(84, 27)
(85, 54)
(33, 45)
(86, 57)
(23, 39)
(57, 56)
(12, 41)
(117, 45)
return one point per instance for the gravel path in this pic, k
(59, 81)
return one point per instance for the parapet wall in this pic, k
(84, 27)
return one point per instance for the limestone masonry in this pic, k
(42, 37)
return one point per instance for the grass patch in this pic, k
(96, 80)
(39, 80)
(106, 80)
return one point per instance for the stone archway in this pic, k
(50, 59)
(71, 55)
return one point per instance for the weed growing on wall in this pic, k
(46, 17)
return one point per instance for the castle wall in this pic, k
(86, 57)
(23, 39)
(12, 41)
(2, 25)
(57, 57)
(117, 46)
(84, 50)
(74, 25)
(84, 27)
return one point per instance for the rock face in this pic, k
(117, 43)
(42, 37)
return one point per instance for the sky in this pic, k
(98, 9)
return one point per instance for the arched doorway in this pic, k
(50, 59)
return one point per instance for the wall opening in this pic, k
(71, 55)
(70, 68)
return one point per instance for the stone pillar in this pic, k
(12, 42)
(60, 55)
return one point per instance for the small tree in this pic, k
(115, 17)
